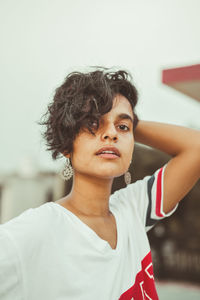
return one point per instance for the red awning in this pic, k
(184, 79)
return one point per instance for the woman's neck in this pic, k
(89, 196)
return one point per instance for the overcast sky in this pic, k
(43, 40)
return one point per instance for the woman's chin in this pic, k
(109, 175)
(101, 174)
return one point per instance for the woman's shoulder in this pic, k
(133, 189)
(29, 224)
(29, 214)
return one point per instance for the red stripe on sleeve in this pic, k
(159, 194)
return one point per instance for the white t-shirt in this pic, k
(48, 253)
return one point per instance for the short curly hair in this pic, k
(82, 99)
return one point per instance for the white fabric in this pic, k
(49, 253)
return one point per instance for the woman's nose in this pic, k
(110, 132)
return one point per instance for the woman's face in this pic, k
(108, 153)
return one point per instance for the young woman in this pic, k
(91, 244)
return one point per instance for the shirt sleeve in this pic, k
(10, 276)
(145, 198)
(150, 204)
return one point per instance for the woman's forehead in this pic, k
(121, 105)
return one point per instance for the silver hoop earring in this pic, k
(127, 177)
(67, 172)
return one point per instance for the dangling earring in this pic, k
(67, 172)
(127, 177)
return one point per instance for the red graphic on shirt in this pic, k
(144, 286)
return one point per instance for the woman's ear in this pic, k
(67, 155)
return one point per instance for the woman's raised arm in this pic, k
(183, 144)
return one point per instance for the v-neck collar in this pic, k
(97, 241)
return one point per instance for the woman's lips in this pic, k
(108, 152)
(108, 155)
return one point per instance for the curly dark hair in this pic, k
(82, 99)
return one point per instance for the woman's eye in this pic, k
(124, 127)
(94, 124)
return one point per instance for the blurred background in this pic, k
(158, 42)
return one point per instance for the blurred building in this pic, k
(184, 79)
(27, 188)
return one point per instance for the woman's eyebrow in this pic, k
(125, 116)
